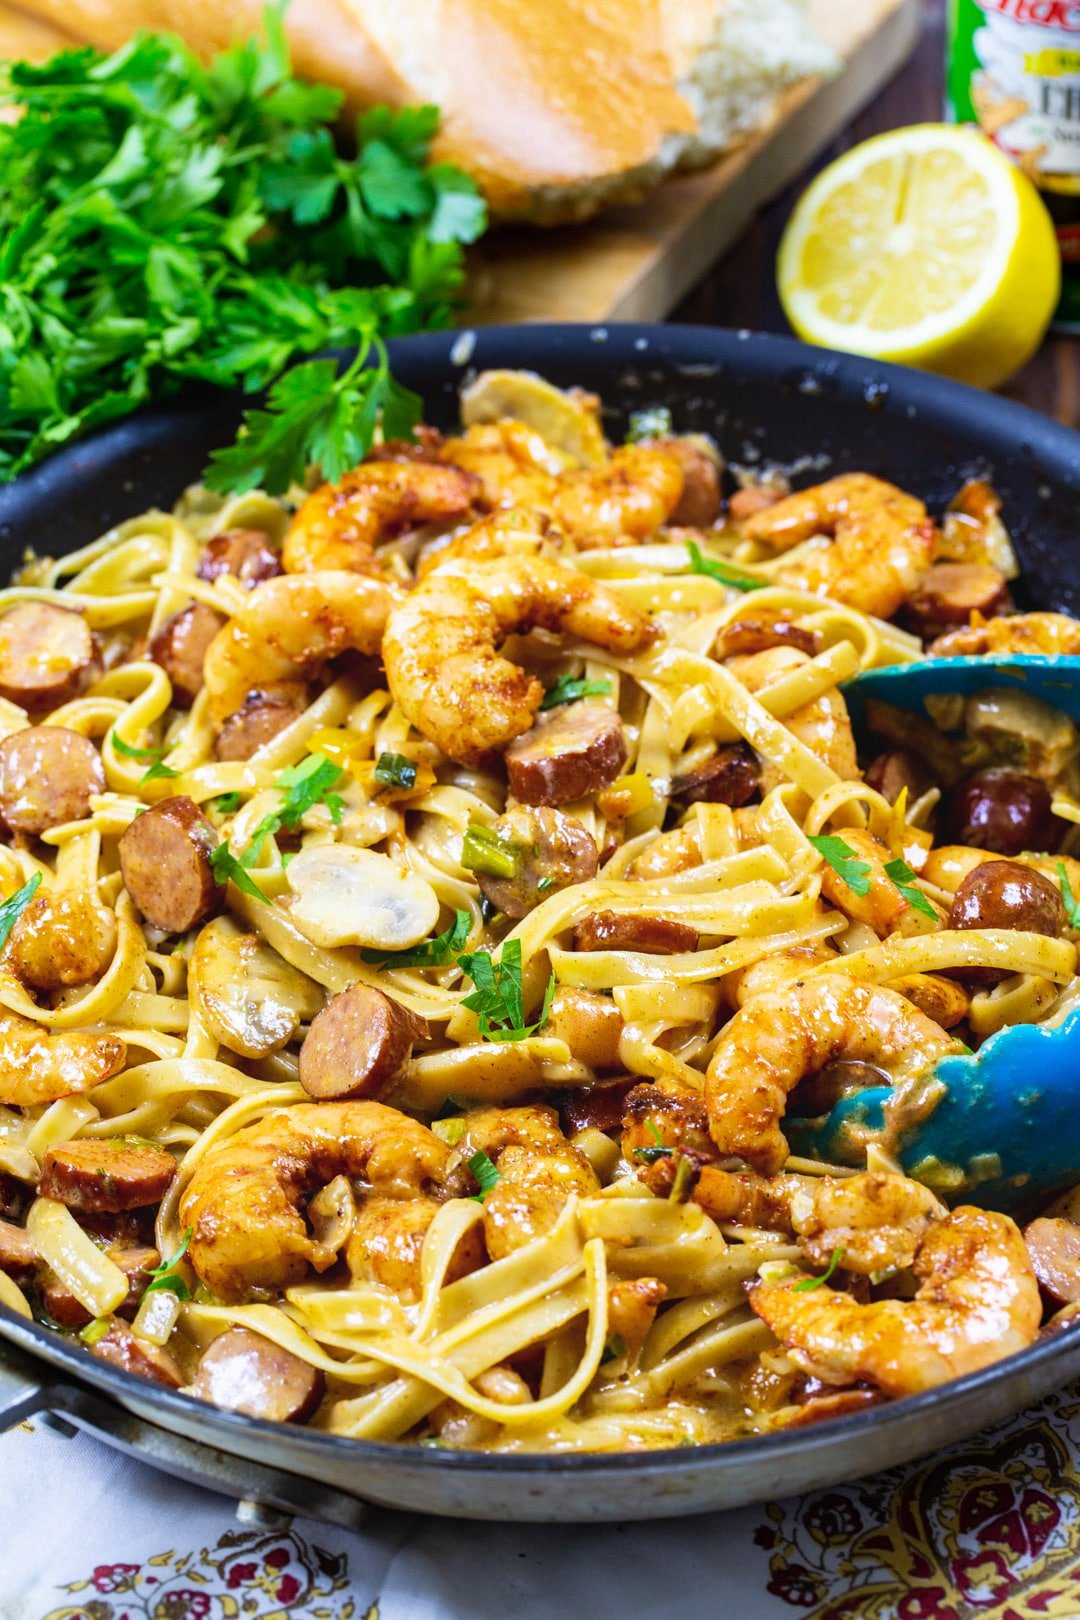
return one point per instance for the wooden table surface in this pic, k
(741, 290)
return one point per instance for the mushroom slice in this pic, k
(249, 999)
(1023, 731)
(348, 896)
(567, 421)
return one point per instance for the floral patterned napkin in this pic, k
(987, 1531)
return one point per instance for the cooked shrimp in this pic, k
(339, 525)
(37, 1067)
(504, 534)
(387, 1238)
(538, 1170)
(672, 852)
(515, 466)
(772, 972)
(1048, 633)
(882, 541)
(778, 1039)
(882, 908)
(978, 1301)
(440, 646)
(63, 938)
(290, 626)
(823, 725)
(624, 501)
(243, 1203)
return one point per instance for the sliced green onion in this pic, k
(484, 851)
(395, 770)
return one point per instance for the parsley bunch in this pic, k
(162, 220)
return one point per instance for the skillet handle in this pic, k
(263, 1495)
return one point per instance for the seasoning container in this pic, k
(1013, 68)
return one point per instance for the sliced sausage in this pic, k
(754, 635)
(128, 1229)
(1001, 810)
(699, 503)
(732, 777)
(13, 1195)
(243, 1372)
(165, 859)
(656, 936)
(827, 1408)
(1053, 1246)
(891, 772)
(1004, 894)
(575, 750)
(47, 776)
(591, 1026)
(246, 554)
(64, 1308)
(48, 655)
(554, 851)
(124, 1349)
(950, 592)
(18, 1257)
(359, 1045)
(598, 1108)
(180, 648)
(104, 1177)
(258, 722)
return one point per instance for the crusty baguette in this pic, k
(558, 107)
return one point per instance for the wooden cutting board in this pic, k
(636, 263)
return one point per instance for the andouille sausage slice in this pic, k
(950, 592)
(14, 1194)
(246, 554)
(180, 648)
(48, 655)
(1053, 1246)
(575, 750)
(243, 1372)
(165, 859)
(732, 777)
(699, 504)
(103, 1177)
(258, 722)
(47, 777)
(64, 1308)
(754, 635)
(554, 851)
(359, 1045)
(126, 1350)
(655, 936)
(18, 1257)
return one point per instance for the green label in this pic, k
(964, 18)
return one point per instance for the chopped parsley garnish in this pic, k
(304, 785)
(226, 804)
(569, 688)
(15, 904)
(653, 423)
(486, 1174)
(844, 862)
(437, 952)
(226, 868)
(165, 1276)
(808, 1284)
(497, 999)
(722, 572)
(158, 770)
(902, 878)
(482, 850)
(658, 1151)
(1068, 899)
(395, 770)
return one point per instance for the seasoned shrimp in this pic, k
(62, 938)
(538, 1170)
(823, 725)
(339, 525)
(504, 534)
(440, 647)
(290, 626)
(1048, 633)
(882, 908)
(882, 541)
(978, 1301)
(387, 1238)
(243, 1203)
(773, 972)
(515, 466)
(780, 1038)
(624, 501)
(37, 1067)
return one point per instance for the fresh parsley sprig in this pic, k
(903, 881)
(158, 768)
(227, 867)
(1068, 899)
(497, 999)
(15, 904)
(569, 688)
(395, 770)
(723, 572)
(167, 1277)
(304, 785)
(437, 952)
(808, 1284)
(844, 862)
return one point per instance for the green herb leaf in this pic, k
(903, 881)
(226, 804)
(15, 904)
(657, 1151)
(226, 868)
(395, 770)
(723, 572)
(808, 1284)
(1068, 899)
(614, 1347)
(485, 1172)
(842, 858)
(159, 770)
(304, 785)
(497, 999)
(165, 1276)
(96, 1330)
(653, 423)
(482, 850)
(569, 688)
(437, 952)
(130, 752)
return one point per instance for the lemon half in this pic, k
(925, 246)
